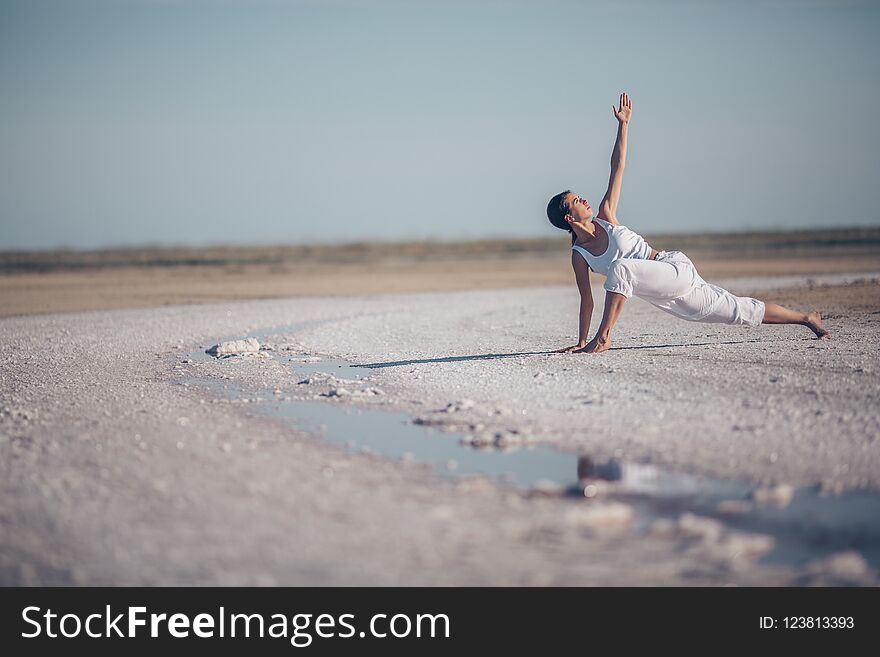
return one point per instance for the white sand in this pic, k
(114, 474)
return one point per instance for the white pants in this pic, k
(671, 283)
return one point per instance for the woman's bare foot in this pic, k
(814, 323)
(595, 346)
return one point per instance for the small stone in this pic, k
(733, 507)
(509, 439)
(598, 516)
(779, 496)
(846, 565)
(695, 526)
(460, 405)
(478, 440)
(747, 546)
(337, 392)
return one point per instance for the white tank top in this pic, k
(622, 243)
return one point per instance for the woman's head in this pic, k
(568, 205)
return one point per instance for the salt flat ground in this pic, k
(113, 472)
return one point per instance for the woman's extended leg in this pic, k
(673, 284)
(776, 314)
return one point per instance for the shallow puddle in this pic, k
(804, 524)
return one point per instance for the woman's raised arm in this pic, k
(608, 207)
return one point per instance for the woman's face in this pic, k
(579, 208)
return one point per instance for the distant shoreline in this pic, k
(72, 281)
(807, 242)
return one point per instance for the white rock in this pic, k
(613, 515)
(337, 392)
(478, 440)
(848, 565)
(235, 348)
(747, 546)
(511, 438)
(695, 526)
(777, 495)
(460, 405)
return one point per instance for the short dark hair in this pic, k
(556, 211)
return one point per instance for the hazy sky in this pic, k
(248, 121)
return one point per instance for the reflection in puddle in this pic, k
(806, 525)
(650, 480)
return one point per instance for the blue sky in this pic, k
(255, 122)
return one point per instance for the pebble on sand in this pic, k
(336, 392)
(845, 565)
(694, 526)
(779, 496)
(235, 348)
(460, 405)
(612, 515)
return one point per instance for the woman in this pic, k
(665, 279)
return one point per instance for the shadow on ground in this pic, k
(454, 359)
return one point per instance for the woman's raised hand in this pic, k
(624, 111)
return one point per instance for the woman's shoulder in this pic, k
(609, 226)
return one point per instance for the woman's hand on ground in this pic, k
(623, 113)
(568, 350)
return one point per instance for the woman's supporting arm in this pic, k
(608, 207)
(602, 341)
(584, 318)
(585, 312)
